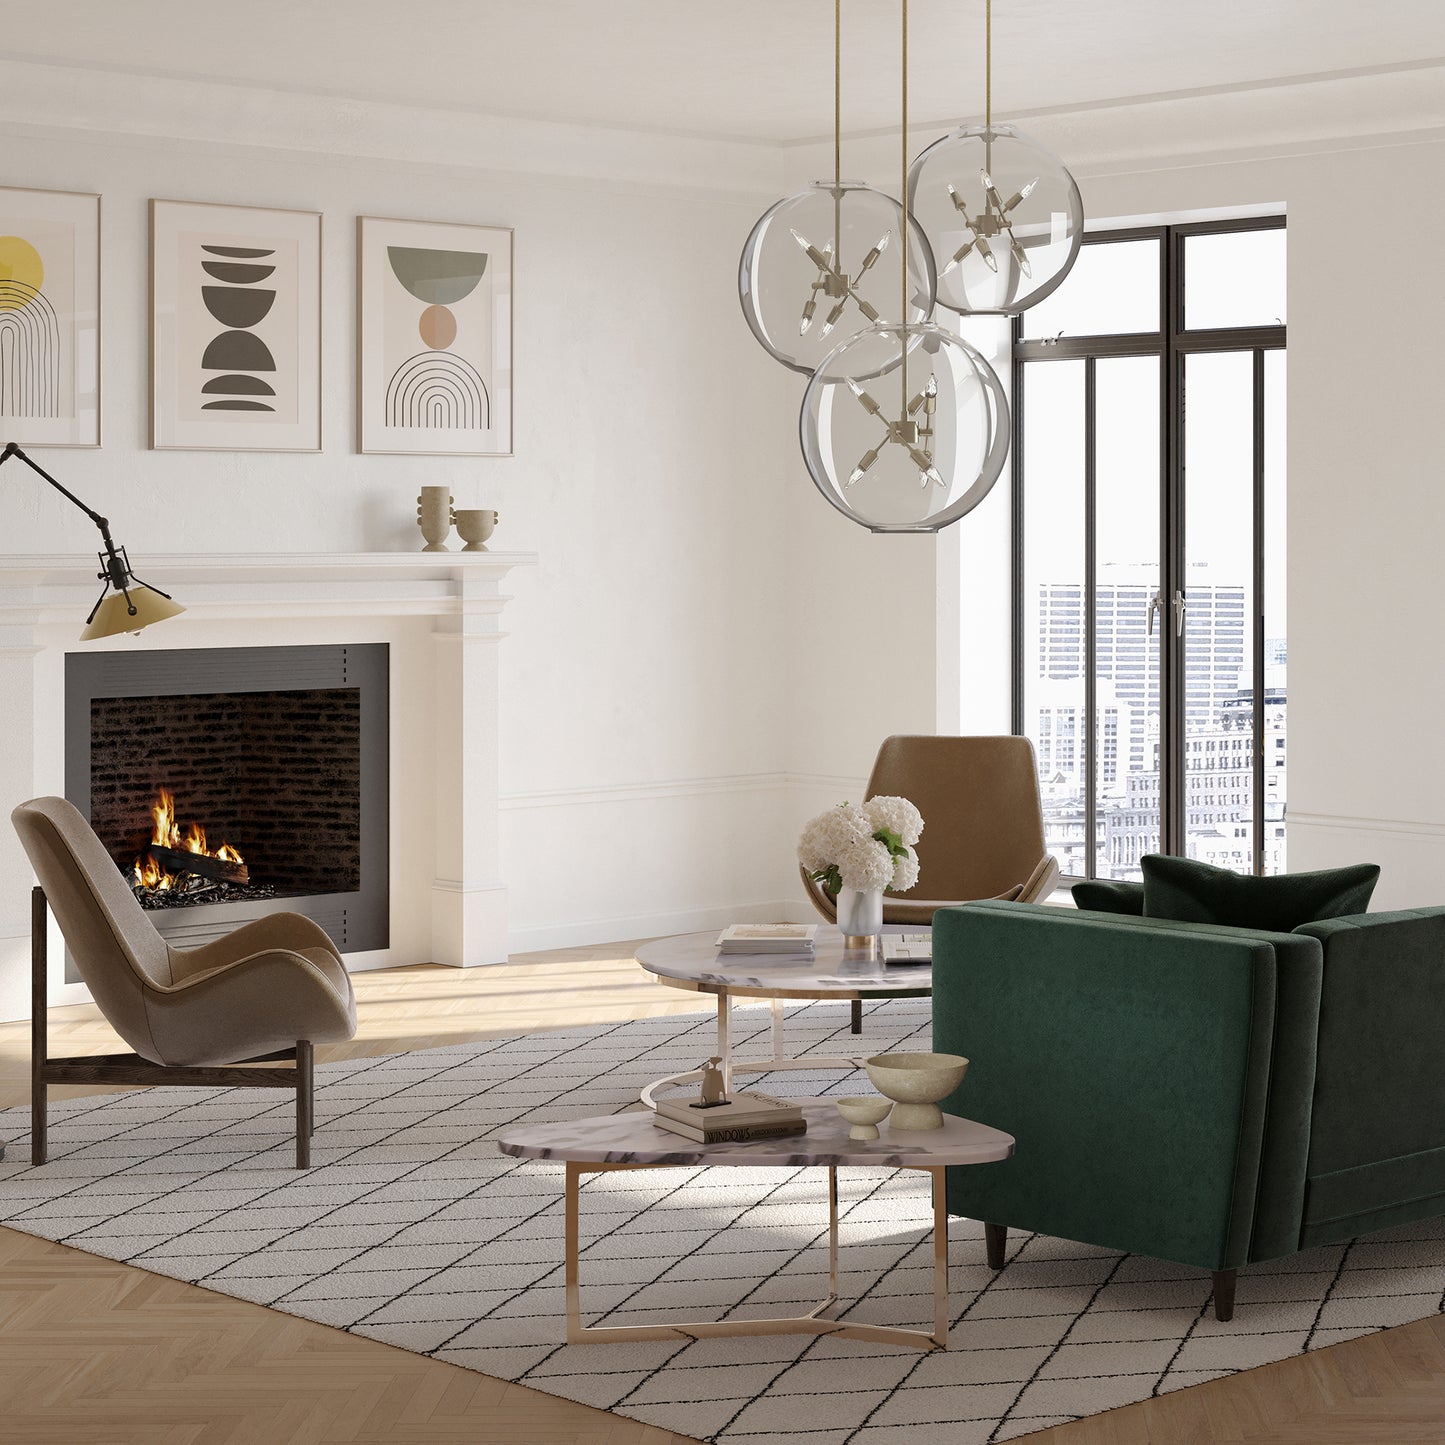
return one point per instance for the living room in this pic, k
(631, 650)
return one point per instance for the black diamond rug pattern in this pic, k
(411, 1228)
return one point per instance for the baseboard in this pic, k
(656, 925)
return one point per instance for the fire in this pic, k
(166, 833)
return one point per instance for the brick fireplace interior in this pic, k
(228, 783)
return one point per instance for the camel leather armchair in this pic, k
(269, 991)
(983, 828)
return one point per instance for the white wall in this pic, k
(642, 746)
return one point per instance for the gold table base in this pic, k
(812, 1323)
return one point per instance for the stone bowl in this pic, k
(916, 1082)
(864, 1113)
(474, 525)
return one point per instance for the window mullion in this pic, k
(1091, 659)
(1257, 675)
(1173, 782)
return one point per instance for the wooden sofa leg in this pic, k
(995, 1238)
(39, 1023)
(857, 1015)
(305, 1102)
(1224, 1294)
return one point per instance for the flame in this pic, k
(166, 833)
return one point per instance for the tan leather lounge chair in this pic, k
(983, 827)
(264, 993)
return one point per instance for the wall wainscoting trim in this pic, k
(619, 793)
(1340, 822)
(658, 925)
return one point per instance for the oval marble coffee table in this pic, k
(633, 1141)
(831, 971)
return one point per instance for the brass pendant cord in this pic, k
(904, 238)
(988, 64)
(838, 130)
(837, 91)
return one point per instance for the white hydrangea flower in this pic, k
(905, 872)
(898, 815)
(866, 864)
(827, 836)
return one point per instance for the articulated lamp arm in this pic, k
(114, 563)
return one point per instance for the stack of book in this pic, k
(767, 938)
(908, 948)
(744, 1116)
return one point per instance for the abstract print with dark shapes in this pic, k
(436, 387)
(237, 352)
(29, 334)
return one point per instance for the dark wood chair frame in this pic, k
(132, 1069)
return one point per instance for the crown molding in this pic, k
(37, 97)
(1304, 115)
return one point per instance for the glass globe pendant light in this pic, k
(1003, 215)
(912, 450)
(827, 261)
(904, 427)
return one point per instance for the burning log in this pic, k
(203, 865)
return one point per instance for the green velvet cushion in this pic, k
(1104, 897)
(1191, 892)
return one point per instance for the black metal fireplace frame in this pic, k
(357, 921)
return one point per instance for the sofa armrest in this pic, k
(1377, 1144)
(1132, 1060)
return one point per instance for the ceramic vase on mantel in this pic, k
(860, 915)
(434, 517)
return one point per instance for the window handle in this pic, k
(1180, 607)
(1156, 604)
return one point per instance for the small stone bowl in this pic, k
(474, 526)
(864, 1113)
(916, 1082)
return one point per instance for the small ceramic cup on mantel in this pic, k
(474, 526)
(434, 517)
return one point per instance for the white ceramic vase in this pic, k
(860, 912)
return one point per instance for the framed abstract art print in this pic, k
(49, 318)
(235, 328)
(435, 365)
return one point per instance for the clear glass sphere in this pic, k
(916, 447)
(1003, 215)
(823, 264)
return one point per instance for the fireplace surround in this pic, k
(441, 617)
(280, 753)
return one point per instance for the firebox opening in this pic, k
(223, 797)
(231, 783)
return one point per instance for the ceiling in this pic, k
(756, 70)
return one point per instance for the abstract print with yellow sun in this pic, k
(30, 353)
(48, 363)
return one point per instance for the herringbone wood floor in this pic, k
(97, 1353)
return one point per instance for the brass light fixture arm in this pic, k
(115, 565)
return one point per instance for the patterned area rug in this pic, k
(412, 1229)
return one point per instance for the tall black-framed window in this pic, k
(1148, 572)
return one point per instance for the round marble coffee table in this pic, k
(831, 971)
(633, 1141)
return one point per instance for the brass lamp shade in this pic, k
(113, 615)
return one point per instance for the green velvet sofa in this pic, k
(1213, 1096)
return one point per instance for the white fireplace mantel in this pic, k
(439, 612)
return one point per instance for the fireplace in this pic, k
(228, 783)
